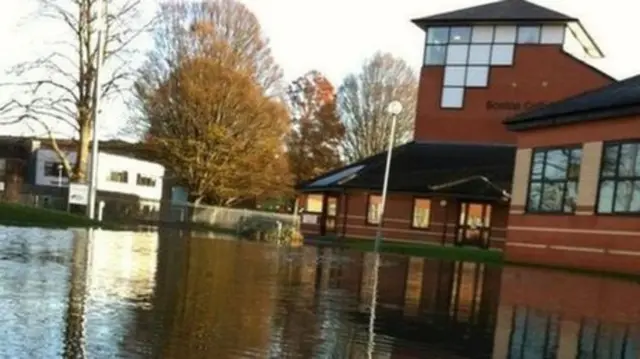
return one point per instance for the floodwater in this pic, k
(101, 294)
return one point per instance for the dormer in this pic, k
(485, 54)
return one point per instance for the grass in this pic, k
(460, 254)
(12, 214)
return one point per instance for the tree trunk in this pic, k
(82, 153)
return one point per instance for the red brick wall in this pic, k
(539, 74)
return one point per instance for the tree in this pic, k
(210, 107)
(61, 86)
(362, 101)
(314, 141)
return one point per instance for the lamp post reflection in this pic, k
(372, 308)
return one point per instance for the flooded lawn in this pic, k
(75, 294)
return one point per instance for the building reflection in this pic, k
(546, 314)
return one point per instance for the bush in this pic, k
(269, 230)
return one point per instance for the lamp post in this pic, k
(97, 93)
(394, 108)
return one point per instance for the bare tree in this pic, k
(362, 101)
(59, 89)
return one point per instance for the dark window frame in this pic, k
(413, 213)
(113, 174)
(543, 181)
(615, 178)
(56, 166)
(141, 179)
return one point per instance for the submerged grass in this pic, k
(13, 214)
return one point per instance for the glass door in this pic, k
(474, 224)
(330, 212)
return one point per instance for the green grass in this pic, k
(460, 254)
(12, 214)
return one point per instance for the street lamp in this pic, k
(394, 108)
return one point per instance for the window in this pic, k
(374, 209)
(477, 76)
(457, 54)
(452, 97)
(505, 35)
(553, 182)
(552, 34)
(145, 181)
(119, 176)
(435, 55)
(619, 190)
(502, 55)
(482, 34)
(421, 213)
(461, 35)
(54, 169)
(438, 35)
(314, 203)
(479, 54)
(528, 34)
(454, 75)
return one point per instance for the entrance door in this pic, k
(474, 224)
(329, 214)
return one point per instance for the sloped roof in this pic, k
(616, 100)
(498, 11)
(456, 169)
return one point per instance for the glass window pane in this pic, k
(478, 76)
(557, 163)
(454, 75)
(552, 195)
(502, 55)
(505, 34)
(635, 201)
(610, 160)
(571, 197)
(605, 197)
(421, 213)
(435, 55)
(482, 34)
(457, 54)
(629, 160)
(314, 203)
(452, 97)
(535, 194)
(575, 160)
(479, 54)
(624, 196)
(528, 34)
(461, 35)
(552, 34)
(375, 209)
(438, 35)
(537, 166)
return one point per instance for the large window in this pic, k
(467, 52)
(374, 209)
(619, 190)
(421, 213)
(119, 176)
(314, 203)
(553, 181)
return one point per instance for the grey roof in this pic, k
(498, 11)
(619, 99)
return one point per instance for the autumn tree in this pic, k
(313, 144)
(210, 105)
(58, 91)
(362, 101)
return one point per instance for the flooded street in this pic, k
(75, 294)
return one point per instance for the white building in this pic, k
(117, 175)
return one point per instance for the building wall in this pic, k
(539, 74)
(352, 220)
(107, 163)
(585, 238)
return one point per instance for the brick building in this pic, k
(486, 70)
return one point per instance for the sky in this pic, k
(335, 37)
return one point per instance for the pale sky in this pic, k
(335, 36)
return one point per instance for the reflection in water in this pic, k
(100, 294)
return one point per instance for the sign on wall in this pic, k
(78, 193)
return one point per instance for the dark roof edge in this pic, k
(575, 117)
(420, 22)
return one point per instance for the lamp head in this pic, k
(394, 108)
